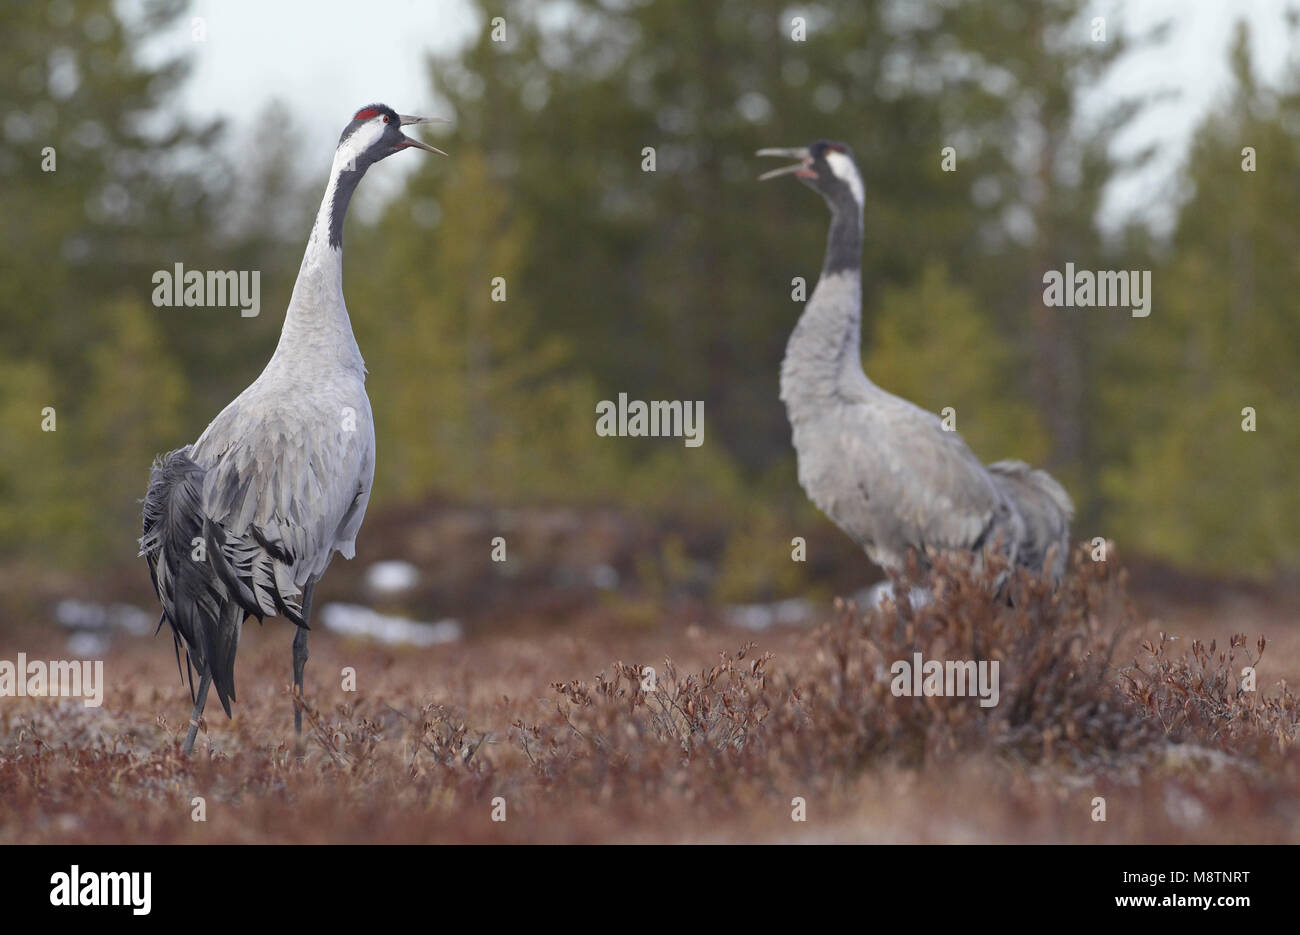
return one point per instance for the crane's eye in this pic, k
(385, 118)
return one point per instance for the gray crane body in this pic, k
(294, 453)
(244, 521)
(884, 470)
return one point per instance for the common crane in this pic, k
(884, 470)
(244, 521)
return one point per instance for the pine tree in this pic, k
(90, 206)
(1222, 336)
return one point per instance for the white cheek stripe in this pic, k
(843, 168)
(361, 139)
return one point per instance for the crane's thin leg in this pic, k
(200, 700)
(300, 656)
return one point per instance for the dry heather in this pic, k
(437, 741)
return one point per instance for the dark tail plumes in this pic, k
(1046, 510)
(195, 601)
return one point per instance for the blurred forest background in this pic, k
(674, 284)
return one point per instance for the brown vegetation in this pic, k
(718, 750)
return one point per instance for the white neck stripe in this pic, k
(844, 170)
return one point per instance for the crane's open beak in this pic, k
(407, 142)
(803, 168)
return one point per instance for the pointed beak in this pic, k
(802, 168)
(408, 143)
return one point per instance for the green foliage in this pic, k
(36, 507)
(931, 344)
(78, 246)
(467, 401)
(757, 562)
(1223, 335)
(670, 284)
(134, 400)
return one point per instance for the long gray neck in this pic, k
(317, 330)
(825, 350)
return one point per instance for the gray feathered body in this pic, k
(239, 522)
(886, 471)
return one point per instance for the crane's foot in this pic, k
(205, 683)
(188, 747)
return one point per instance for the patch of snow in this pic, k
(132, 619)
(355, 620)
(392, 577)
(762, 616)
(1184, 809)
(88, 615)
(882, 591)
(87, 645)
(80, 615)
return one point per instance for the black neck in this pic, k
(844, 244)
(344, 185)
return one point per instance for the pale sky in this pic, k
(325, 58)
(1192, 61)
